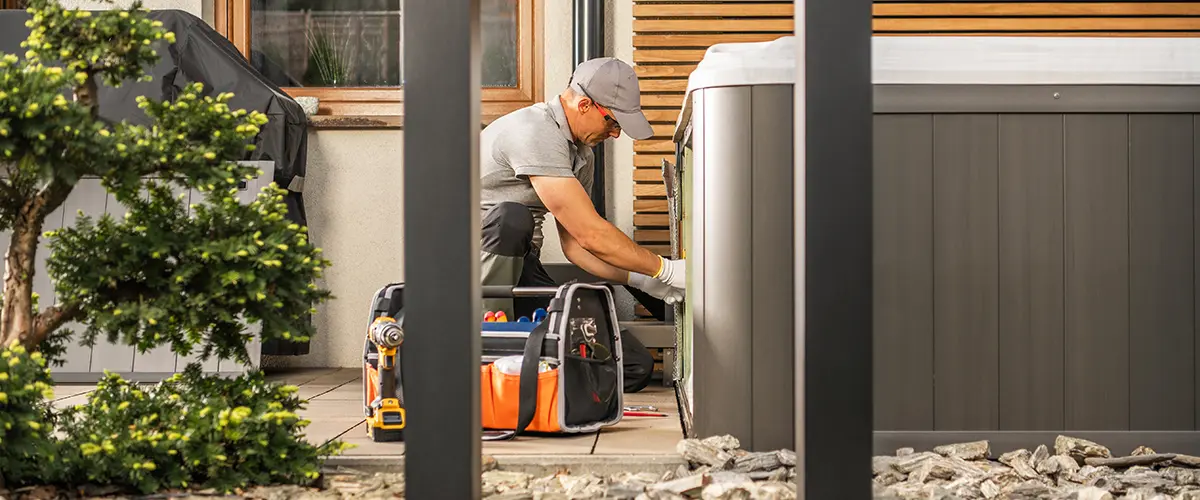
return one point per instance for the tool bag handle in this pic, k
(508, 292)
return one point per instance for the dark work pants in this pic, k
(508, 257)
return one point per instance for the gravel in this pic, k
(1076, 469)
(718, 469)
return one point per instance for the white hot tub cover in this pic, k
(735, 64)
(969, 60)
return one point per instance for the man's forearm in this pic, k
(588, 262)
(612, 246)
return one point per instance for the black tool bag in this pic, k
(571, 371)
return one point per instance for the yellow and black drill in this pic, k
(385, 411)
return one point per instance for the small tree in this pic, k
(160, 275)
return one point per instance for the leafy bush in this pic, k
(28, 452)
(190, 431)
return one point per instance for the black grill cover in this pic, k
(200, 54)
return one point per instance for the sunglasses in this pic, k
(607, 116)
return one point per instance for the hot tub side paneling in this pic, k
(1035, 265)
(742, 333)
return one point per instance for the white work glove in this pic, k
(673, 273)
(656, 288)
(669, 285)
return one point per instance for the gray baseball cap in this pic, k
(613, 84)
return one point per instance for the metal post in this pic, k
(589, 44)
(834, 116)
(441, 248)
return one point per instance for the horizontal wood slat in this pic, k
(701, 41)
(712, 25)
(947, 9)
(998, 24)
(652, 235)
(660, 115)
(651, 220)
(650, 206)
(654, 146)
(642, 190)
(1062, 34)
(668, 56)
(664, 71)
(663, 101)
(663, 85)
(654, 161)
(647, 175)
(664, 131)
(711, 9)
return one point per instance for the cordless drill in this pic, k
(385, 413)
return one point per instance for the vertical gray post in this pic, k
(834, 115)
(441, 248)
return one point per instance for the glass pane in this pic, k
(357, 43)
(498, 41)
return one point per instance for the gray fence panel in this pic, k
(211, 364)
(246, 195)
(160, 359)
(1036, 273)
(1161, 324)
(965, 271)
(903, 281)
(89, 198)
(1031, 272)
(1097, 272)
(114, 357)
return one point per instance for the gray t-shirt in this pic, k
(534, 140)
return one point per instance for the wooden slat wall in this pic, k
(670, 37)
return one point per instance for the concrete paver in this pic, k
(335, 409)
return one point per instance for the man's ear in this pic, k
(583, 105)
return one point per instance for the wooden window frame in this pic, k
(385, 105)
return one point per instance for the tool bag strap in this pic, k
(529, 365)
(529, 376)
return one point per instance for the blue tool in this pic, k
(523, 319)
(539, 314)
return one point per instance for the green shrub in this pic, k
(28, 452)
(192, 431)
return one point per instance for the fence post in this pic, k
(441, 248)
(833, 230)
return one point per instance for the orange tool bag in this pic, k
(557, 374)
(562, 374)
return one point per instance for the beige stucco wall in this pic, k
(354, 195)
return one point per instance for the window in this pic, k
(349, 53)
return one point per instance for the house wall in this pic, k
(354, 198)
(354, 189)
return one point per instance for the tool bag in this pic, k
(571, 372)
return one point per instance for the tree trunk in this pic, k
(87, 93)
(16, 317)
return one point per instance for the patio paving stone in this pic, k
(640, 435)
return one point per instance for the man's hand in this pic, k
(673, 273)
(656, 288)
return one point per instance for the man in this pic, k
(539, 160)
